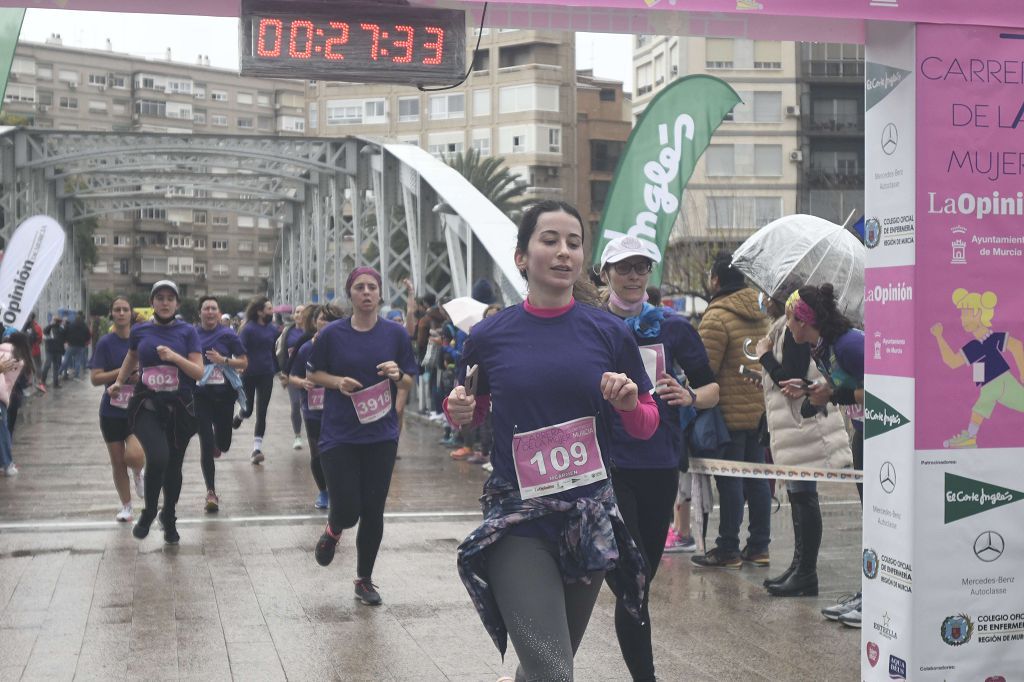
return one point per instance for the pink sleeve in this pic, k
(483, 406)
(642, 422)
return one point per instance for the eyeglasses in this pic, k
(639, 267)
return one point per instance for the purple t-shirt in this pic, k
(990, 352)
(109, 354)
(545, 371)
(299, 370)
(294, 334)
(342, 351)
(225, 341)
(178, 336)
(259, 340)
(679, 344)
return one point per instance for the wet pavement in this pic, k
(242, 598)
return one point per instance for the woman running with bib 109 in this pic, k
(124, 448)
(362, 361)
(645, 473)
(555, 374)
(167, 353)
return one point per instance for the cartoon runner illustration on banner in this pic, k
(984, 354)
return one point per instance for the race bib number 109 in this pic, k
(558, 458)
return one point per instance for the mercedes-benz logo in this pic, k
(890, 139)
(887, 477)
(989, 546)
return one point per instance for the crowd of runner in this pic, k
(580, 402)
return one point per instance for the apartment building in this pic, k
(831, 80)
(750, 173)
(57, 87)
(604, 116)
(519, 102)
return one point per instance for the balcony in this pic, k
(846, 126)
(831, 178)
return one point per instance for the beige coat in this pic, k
(795, 441)
(727, 323)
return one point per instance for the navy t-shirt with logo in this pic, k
(341, 350)
(109, 355)
(178, 336)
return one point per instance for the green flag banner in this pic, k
(660, 156)
(10, 29)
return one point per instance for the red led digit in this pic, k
(437, 46)
(374, 30)
(336, 41)
(297, 26)
(261, 42)
(409, 32)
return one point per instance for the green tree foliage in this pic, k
(492, 178)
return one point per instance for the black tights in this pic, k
(163, 462)
(646, 498)
(313, 434)
(358, 478)
(214, 409)
(257, 394)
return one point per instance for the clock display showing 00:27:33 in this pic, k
(303, 39)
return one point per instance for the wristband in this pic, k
(693, 395)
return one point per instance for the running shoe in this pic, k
(325, 547)
(716, 558)
(487, 466)
(676, 543)
(297, 443)
(42, 388)
(322, 501)
(461, 453)
(237, 421)
(11, 470)
(477, 457)
(759, 559)
(141, 528)
(140, 483)
(169, 522)
(212, 502)
(961, 440)
(366, 592)
(125, 515)
(851, 618)
(846, 603)
(257, 456)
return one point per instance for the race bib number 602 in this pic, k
(558, 458)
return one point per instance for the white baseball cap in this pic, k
(622, 248)
(164, 284)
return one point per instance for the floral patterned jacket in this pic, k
(593, 538)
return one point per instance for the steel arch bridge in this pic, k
(336, 204)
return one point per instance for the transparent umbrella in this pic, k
(799, 250)
(465, 312)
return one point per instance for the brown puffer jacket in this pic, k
(728, 322)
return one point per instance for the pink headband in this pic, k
(362, 270)
(805, 313)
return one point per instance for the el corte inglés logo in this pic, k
(880, 417)
(967, 497)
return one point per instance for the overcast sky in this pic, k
(149, 35)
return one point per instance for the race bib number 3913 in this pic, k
(558, 458)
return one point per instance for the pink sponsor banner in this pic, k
(888, 319)
(977, 12)
(970, 248)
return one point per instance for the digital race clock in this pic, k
(342, 41)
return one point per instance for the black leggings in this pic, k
(214, 410)
(546, 618)
(313, 434)
(163, 462)
(358, 477)
(646, 498)
(257, 394)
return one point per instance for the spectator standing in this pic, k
(732, 317)
(78, 336)
(54, 336)
(35, 337)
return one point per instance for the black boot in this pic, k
(794, 509)
(803, 582)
